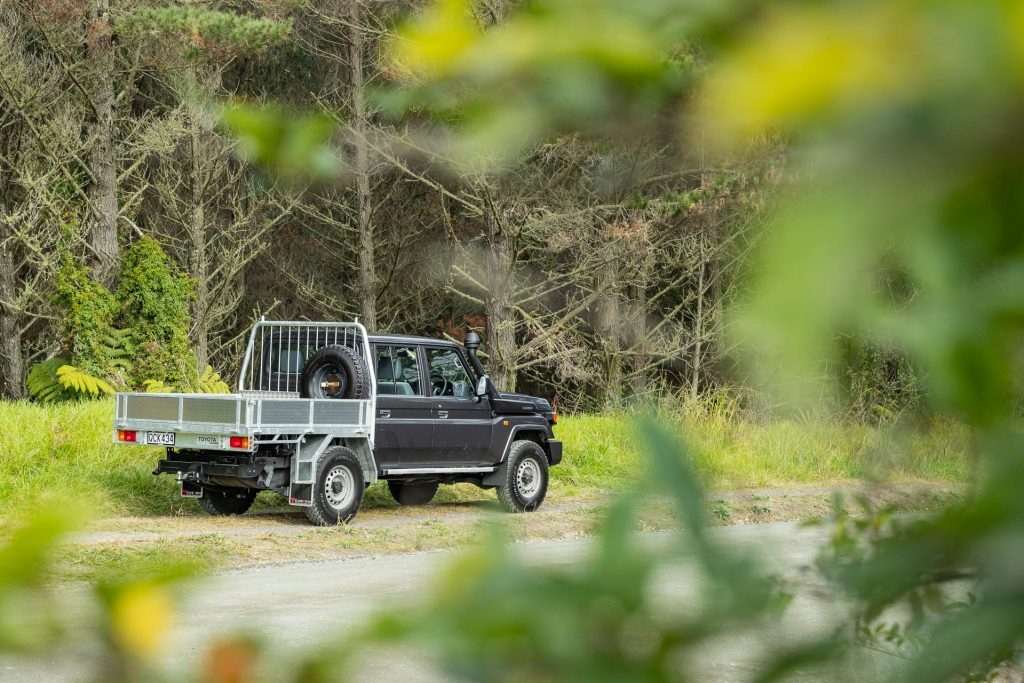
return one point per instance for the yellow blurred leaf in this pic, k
(433, 41)
(140, 616)
(1015, 28)
(804, 63)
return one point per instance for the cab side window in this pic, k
(398, 371)
(448, 374)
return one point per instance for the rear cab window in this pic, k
(398, 370)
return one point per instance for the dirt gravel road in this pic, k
(299, 605)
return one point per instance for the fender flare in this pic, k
(497, 477)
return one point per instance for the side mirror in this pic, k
(483, 385)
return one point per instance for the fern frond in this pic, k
(211, 383)
(116, 347)
(42, 383)
(156, 386)
(82, 382)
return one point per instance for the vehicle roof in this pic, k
(408, 339)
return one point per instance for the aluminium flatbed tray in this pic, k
(261, 418)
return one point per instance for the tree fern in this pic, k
(156, 386)
(81, 382)
(42, 382)
(116, 348)
(211, 383)
(56, 380)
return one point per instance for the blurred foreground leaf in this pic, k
(293, 146)
(494, 616)
(28, 616)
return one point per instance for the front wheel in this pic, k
(526, 477)
(338, 489)
(225, 502)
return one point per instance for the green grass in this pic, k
(603, 451)
(51, 453)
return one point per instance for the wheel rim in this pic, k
(339, 487)
(330, 380)
(528, 478)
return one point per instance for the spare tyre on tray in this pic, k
(335, 371)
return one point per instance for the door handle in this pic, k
(442, 414)
(384, 413)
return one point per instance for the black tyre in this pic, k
(226, 502)
(410, 493)
(526, 478)
(338, 489)
(335, 372)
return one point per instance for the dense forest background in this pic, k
(137, 244)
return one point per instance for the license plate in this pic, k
(160, 438)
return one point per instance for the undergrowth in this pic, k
(64, 451)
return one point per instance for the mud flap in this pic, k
(191, 489)
(497, 477)
(301, 495)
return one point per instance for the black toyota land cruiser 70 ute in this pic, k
(325, 409)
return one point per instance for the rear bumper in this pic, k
(200, 467)
(201, 471)
(554, 451)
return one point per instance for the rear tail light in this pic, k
(126, 436)
(239, 442)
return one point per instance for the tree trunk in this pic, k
(367, 278)
(640, 366)
(609, 321)
(102, 162)
(198, 257)
(698, 325)
(12, 369)
(501, 340)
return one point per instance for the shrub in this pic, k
(154, 298)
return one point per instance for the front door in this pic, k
(404, 412)
(462, 427)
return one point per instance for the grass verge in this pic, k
(54, 453)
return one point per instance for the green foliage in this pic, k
(290, 144)
(732, 452)
(875, 98)
(156, 386)
(64, 451)
(28, 622)
(151, 302)
(879, 383)
(597, 619)
(42, 381)
(55, 380)
(528, 76)
(117, 349)
(64, 447)
(154, 303)
(209, 382)
(205, 32)
(82, 383)
(88, 323)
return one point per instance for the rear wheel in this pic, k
(338, 489)
(412, 493)
(224, 502)
(526, 477)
